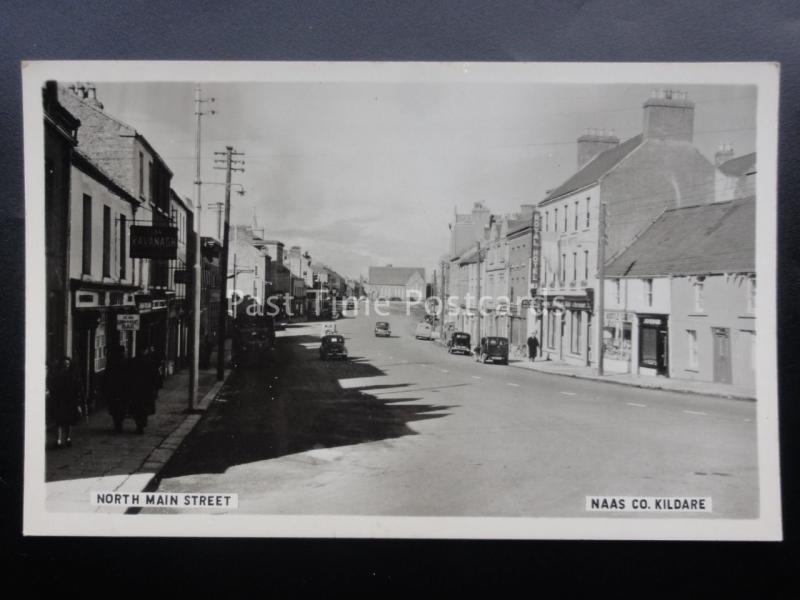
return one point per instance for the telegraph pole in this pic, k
(223, 280)
(601, 285)
(478, 300)
(197, 283)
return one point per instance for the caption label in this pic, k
(647, 504)
(164, 499)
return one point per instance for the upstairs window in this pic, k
(648, 292)
(555, 220)
(577, 211)
(751, 294)
(141, 175)
(86, 247)
(106, 241)
(588, 213)
(698, 296)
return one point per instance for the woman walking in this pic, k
(65, 390)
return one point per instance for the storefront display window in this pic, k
(617, 340)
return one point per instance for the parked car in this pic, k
(332, 346)
(382, 329)
(424, 331)
(493, 349)
(460, 343)
(395, 299)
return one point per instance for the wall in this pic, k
(656, 176)
(725, 305)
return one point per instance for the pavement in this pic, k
(103, 460)
(684, 386)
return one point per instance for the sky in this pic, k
(366, 174)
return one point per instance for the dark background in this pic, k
(568, 30)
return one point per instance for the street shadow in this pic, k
(295, 405)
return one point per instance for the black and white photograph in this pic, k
(401, 300)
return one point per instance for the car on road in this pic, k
(493, 349)
(332, 346)
(382, 329)
(424, 331)
(395, 299)
(460, 343)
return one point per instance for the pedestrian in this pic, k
(144, 388)
(64, 388)
(533, 347)
(116, 384)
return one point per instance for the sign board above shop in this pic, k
(127, 322)
(154, 241)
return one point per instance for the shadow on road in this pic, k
(294, 405)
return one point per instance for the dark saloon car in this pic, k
(460, 343)
(332, 346)
(382, 329)
(493, 349)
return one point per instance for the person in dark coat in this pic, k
(144, 388)
(533, 347)
(116, 382)
(64, 388)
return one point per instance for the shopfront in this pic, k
(618, 340)
(654, 344)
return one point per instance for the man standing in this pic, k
(533, 347)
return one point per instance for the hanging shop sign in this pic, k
(154, 241)
(128, 322)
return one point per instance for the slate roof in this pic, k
(741, 165)
(694, 240)
(393, 275)
(596, 168)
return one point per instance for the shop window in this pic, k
(617, 341)
(100, 348)
(691, 338)
(575, 333)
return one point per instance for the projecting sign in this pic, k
(154, 241)
(127, 322)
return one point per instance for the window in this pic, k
(106, 241)
(87, 235)
(618, 291)
(586, 264)
(123, 239)
(141, 175)
(575, 334)
(691, 338)
(751, 294)
(151, 172)
(563, 267)
(100, 348)
(551, 329)
(648, 292)
(574, 266)
(588, 214)
(547, 221)
(566, 217)
(577, 211)
(698, 295)
(555, 220)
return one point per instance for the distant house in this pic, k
(396, 282)
(681, 299)
(735, 177)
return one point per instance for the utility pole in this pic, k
(478, 300)
(229, 161)
(601, 285)
(197, 283)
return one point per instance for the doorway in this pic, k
(722, 354)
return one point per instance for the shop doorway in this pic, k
(722, 354)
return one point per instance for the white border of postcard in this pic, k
(38, 521)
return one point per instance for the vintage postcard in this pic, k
(401, 300)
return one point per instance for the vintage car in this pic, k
(493, 349)
(460, 343)
(332, 346)
(382, 329)
(328, 329)
(424, 331)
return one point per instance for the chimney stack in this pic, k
(594, 142)
(724, 153)
(668, 115)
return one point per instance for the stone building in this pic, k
(636, 181)
(396, 283)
